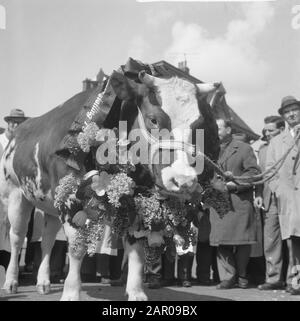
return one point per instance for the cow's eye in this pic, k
(153, 121)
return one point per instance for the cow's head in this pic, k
(173, 106)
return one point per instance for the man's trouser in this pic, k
(232, 261)
(273, 244)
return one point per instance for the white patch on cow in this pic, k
(38, 178)
(28, 187)
(179, 101)
(32, 188)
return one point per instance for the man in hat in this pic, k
(266, 200)
(285, 184)
(234, 233)
(15, 118)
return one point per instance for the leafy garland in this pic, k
(109, 195)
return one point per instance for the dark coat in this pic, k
(238, 226)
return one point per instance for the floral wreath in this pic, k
(109, 195)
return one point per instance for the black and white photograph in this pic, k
(149, 151)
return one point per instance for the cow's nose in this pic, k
(188, 185)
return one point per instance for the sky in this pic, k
(48, 48)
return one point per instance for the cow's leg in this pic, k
(19, 210)
(134, 286)
(52, 226)
(72, 285)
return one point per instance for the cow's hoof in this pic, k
(70, 297)
(43, 288)
(11, 287)
(137, 296)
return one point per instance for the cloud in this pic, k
(158, 16)
(232, 57)
(138, 48)
(153, 21)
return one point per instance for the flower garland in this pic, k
(109, 194)
(87, 137)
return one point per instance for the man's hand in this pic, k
(258, 202)
(297, 129)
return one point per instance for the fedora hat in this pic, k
(16, 115)
(286, 102)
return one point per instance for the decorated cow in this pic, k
(75, 165)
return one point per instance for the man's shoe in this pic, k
(225, 285)
(294, 291)
(186, 284)
(243, 283)
(270, 286)
(289, 288)
(105, 281)
(154, 284)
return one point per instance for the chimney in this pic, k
(182, 65)
(88, 84)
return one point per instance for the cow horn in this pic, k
(147, 79)
(205, 88)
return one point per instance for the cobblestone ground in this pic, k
(95, 292)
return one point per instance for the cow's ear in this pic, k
(121, 85)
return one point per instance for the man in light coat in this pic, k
(286, 185)
(273, 249)
(13, 120)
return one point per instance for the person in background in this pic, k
(109, 255)
(29, 253)
(234, 233)
(185, 262)
(162, 272)
(34, 244)
(14, 119)
(58, 258)
(58, 253)
(285, 184)
(206, 258)
(273, 246)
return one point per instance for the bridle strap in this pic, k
(157, 144)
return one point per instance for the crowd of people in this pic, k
(256, 243)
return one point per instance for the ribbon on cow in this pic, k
(96, 109)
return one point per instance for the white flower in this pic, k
(100, 183)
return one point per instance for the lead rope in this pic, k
(189, 148)
(257, 178)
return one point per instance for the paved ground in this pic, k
(94, 292)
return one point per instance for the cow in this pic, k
(33, 163)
